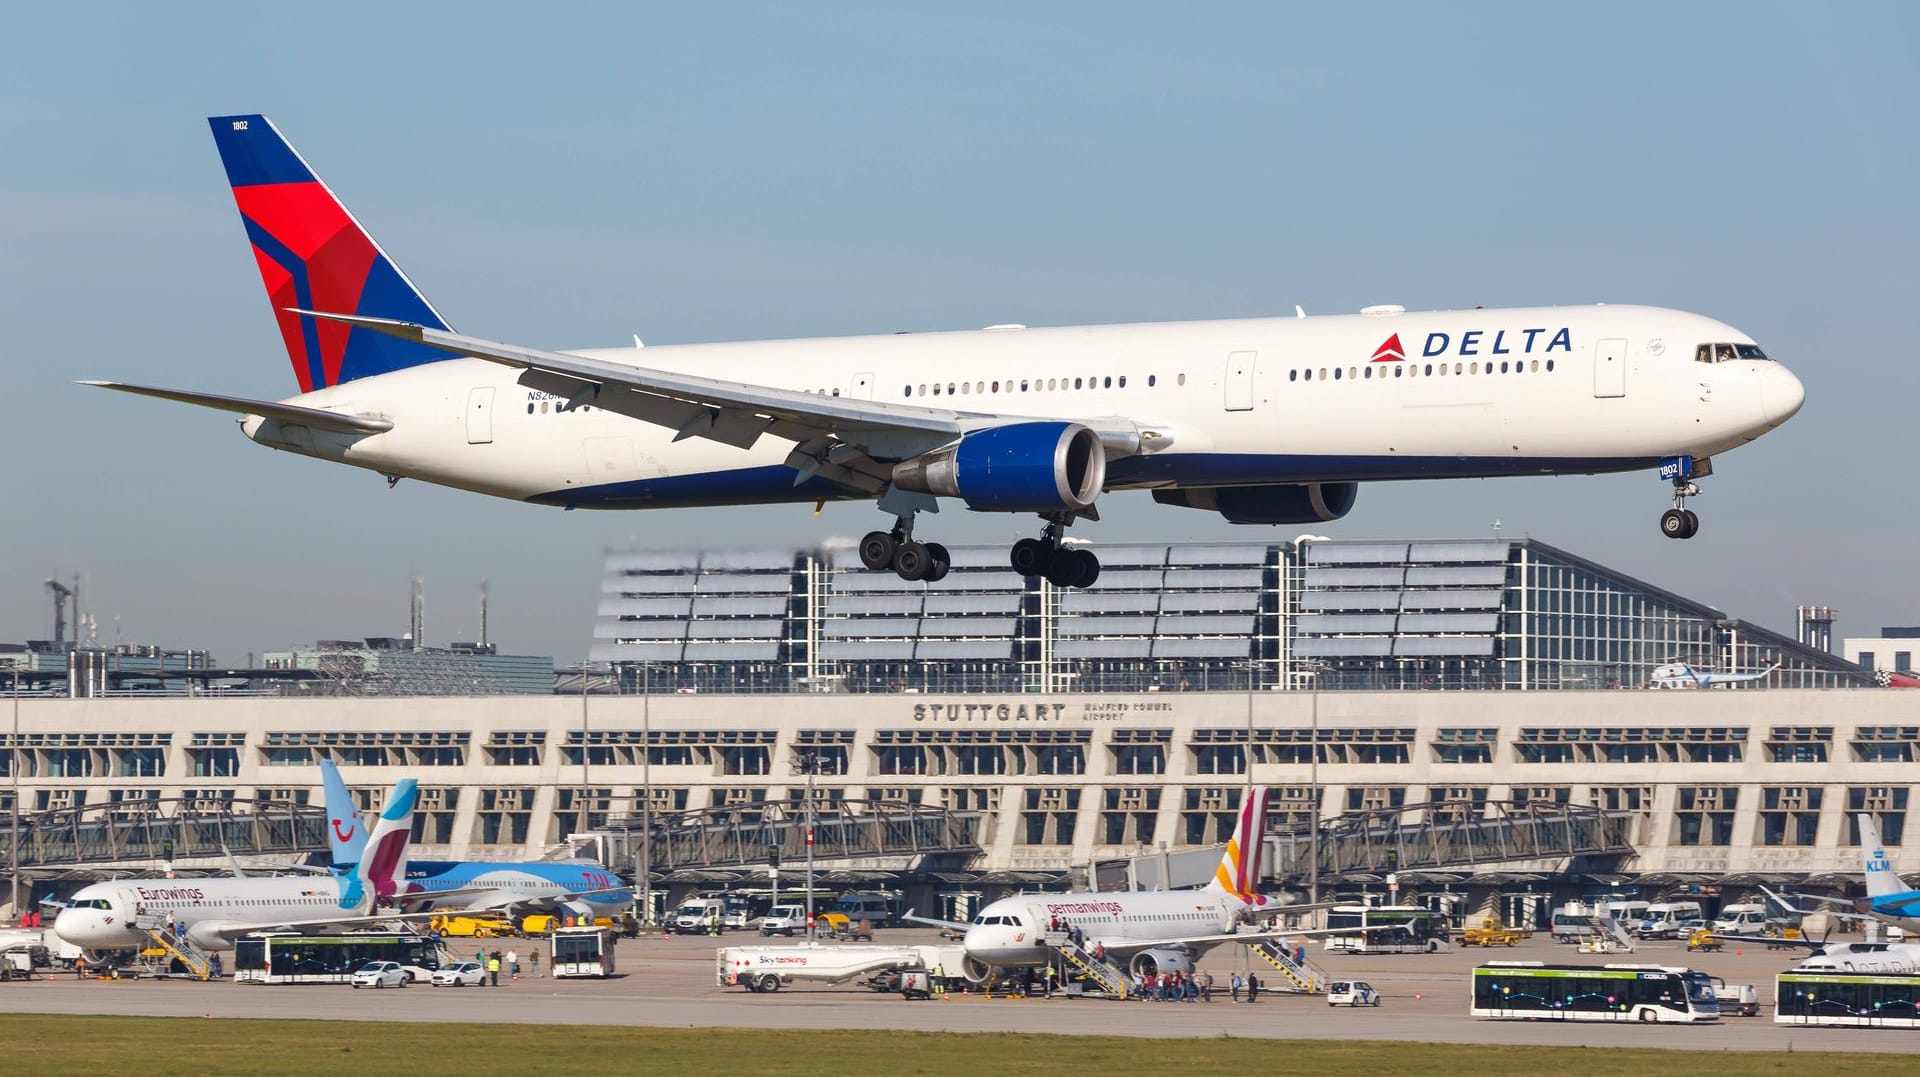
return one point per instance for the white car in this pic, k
(1352, 993)
(465, 974)
(380, 974)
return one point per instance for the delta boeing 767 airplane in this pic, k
(1264, 421)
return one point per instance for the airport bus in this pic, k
(1384, 929)
(1869, 1000)
(1536, 991)
(582, 951)
(285, 958)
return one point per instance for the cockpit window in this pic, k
(1726, 353)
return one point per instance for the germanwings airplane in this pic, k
(569, 887)
(214, 912)
(1264, 421)
(1147, 931)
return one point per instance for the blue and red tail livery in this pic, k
(314, 256)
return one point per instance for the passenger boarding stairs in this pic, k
(1111, 978)
(198, 963)
(1303, 976)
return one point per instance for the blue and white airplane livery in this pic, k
(1264, 421)
(565, 887)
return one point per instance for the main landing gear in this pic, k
(908, 558)
(1680, 522)
(1045, 556)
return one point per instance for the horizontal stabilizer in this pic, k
(266, 409)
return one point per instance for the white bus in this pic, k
(1535, 991)
(281, 958)
(1883, 1000)
(1385, 929)
(582, 951)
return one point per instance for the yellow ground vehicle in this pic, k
(1702, 939)
(1491, 932)
(472, 927)
(836, 925)
(538, 924)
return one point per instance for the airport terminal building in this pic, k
(1447, 678)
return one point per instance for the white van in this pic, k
(1746, 918)
(875, 908)
(1625, 911)
(1572, 922)
(1664, 918)
(698, 916)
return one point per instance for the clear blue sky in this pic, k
(566, 177)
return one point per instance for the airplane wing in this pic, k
(1128, 946)
(266, 409)
(1811, 945)
(951, 925)
(837, 438)
(234, 931)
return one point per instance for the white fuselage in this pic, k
(106, 916)
(1258, 401)
(1008, 933)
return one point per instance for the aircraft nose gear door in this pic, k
(1240, 381)
(480, 416)
(1610, 368)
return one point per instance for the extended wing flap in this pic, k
(266, 409)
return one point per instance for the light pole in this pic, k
(807, 761)
(586, 749)
(646, 790)
(13, 808)
(1313, 782)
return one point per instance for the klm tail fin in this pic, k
(313, 255)
(1239, 871)
(346, 833)
(1881, 881)
(381, 875)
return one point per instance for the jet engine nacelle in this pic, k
(206, 935)
(581, 911)
(1157, 962)
(976, 971)
(1300, 503)
(1022, 467)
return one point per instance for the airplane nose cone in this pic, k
(1781, 395)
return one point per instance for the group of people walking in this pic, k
(497, 962)
(1174, 986)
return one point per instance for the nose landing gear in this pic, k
(1680, 522)
(1045, 556)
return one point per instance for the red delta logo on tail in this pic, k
(1389, 352)
(1239, 871)
(313, 255)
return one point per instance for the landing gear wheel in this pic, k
(1073, 568)
(1673, 523)
(1089, 569)
(1030, 557)
(876, 550)
(1693, 523)
(911, 561)
(942, 561)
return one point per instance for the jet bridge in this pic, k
(188, 833)
(1431, 836)
(760, 835)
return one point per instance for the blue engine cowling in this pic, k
(1022, 467)
(1300, 503)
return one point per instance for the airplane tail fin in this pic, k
(1239, 871)
(1881, 881)
(346, 833)
(382, 871)
(313, 255)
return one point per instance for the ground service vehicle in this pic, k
(472, 927)
(875, 908)
(1664, 918)
(1736, 999)
(784, 920)
(1532, 990)
(464, 974)
(698, 916)
(769, 968)
(1491, 932)
(582, 951)
(1572, 922)
(1352, 993)
(1742, 919)
(1878, 1000)
(1385, 929)
(380, 974)
(285, 958)
(837, 925)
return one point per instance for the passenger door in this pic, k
(1610, 368)
(1239, 380)
(480, 416)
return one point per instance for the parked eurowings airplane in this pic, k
(1147, 931)
(1684, 676)
(1264, 421)
(214, 912)
(567, 887)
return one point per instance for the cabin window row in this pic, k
(1417, 370)
(1028, 385)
